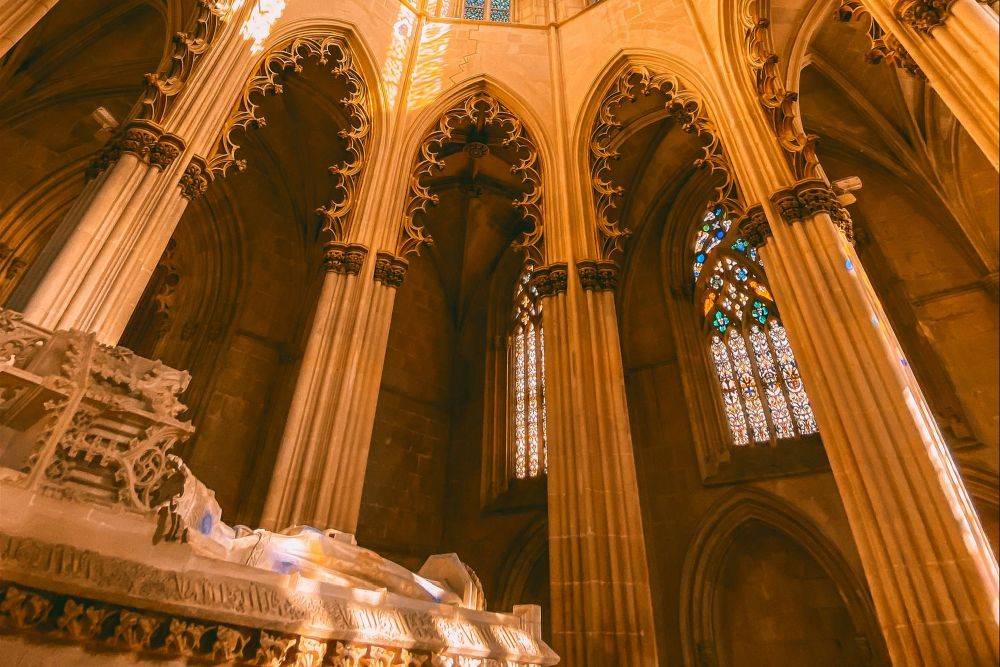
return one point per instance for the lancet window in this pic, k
(483, 10)
(527, 382)
(762, 392)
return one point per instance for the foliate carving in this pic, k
(184, 638)
(194, 181)
(80, 622)
(686, 109)
(808, 198)
(597, 275)
(229, 644)
(550, 280)
(309, 652)
(923, 15)
(479, 108)
(390, 269)
(755, 227)
(163, 86)
(780, 105)
(356, 106)
(345, 258)
(143, 139)
(272, 650)
(21, 609)
(883, 46)
(134, 630)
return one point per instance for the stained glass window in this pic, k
(480, 10)
(762, 392)
(527, 382)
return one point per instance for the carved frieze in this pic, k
(550, 280)
(686, 109)
(390, 269)
(808, 198)
(597, 275)
(481, 109)
(345, 258)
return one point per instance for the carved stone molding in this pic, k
(477, 107)
(344, 258)
(145, 140)
(883, 46)
(194, 181)
(779, 104)
(52, 617)
(597, 275)
(808, 198)
(923, 15)
(754, 226)
(187, 48)
(356, 106)
(390, 269)
(550, 280)
(686, 109)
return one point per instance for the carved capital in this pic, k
(550, 280)
(808, 198)
(754, 226)
(145, 140)
(597, 275)
(924, 15)
(194, 181)
(344, 258)
(390, 269)
(167, 149)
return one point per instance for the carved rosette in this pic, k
(808, 198)
(883, 46)
(390, 269)
(780, 105)
(325, 48)
(477, 107)
(143, 139)
(686, 109)
(344, 258)
(597, 275)
(550, 280)
(755, 227)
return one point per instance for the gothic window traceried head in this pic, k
(486, 10)
(526, 384)
(762, 392)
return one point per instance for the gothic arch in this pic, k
(476, 103)
(526, 551)
(707, 553)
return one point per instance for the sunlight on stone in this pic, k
(258, 24)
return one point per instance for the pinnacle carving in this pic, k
(390, 269)
(344, 258)
(597, 275)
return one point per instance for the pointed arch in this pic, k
(706, 557)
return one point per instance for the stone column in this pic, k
(76, 282)
(601, 605)
(957, 45)
(930, 569)
(320, 470)
(17, 17)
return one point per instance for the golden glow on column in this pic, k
(393, 65)
(428, 71)
(258, 24)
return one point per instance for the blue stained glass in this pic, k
(719, 233)
(475, 10)
(741, 274)
(700, 258)
(720, 321)
(500, 10)
(759, 312)
(741, 245)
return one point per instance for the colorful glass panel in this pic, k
(730, 394)
(527, 379)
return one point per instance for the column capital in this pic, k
(808, 198)
(390, 269)
(551, 279)
(344, 258)
(923, 15)
(754, 226)
(194, 181)
(142, 138)
(597, 275)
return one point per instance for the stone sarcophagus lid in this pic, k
(79, 419)
(113, 552)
